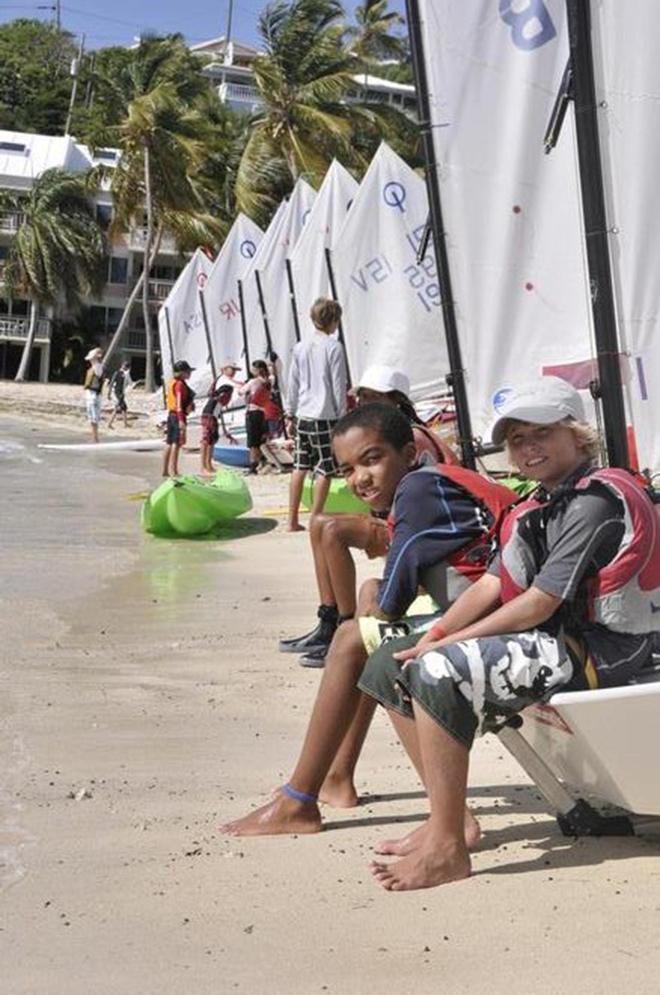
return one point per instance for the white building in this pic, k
(23, 157)
(229, 68)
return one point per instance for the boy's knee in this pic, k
(347, 647)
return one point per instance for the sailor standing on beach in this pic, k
(93, 387)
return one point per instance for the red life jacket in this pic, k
(472, 559)
(624, 595)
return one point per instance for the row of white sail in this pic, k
(372, 232)
(512, 220)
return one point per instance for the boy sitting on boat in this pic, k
(441, 528)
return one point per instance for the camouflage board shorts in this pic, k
(473, 687)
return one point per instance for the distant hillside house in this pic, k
(229, 67)
(24, 157)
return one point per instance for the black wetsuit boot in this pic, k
(315, 658)
(319, 637)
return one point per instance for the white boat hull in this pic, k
(604, 743)
(135, 445)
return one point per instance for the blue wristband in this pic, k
(298, 796)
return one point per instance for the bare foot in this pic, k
(281, 816)
(412, 841)
(296, 528)
(339, 792)
(434, 863)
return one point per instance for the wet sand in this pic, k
(144, 702)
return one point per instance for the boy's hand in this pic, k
(425, 645)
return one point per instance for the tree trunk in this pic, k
(149, 379)
(128, 307)
(24, 365)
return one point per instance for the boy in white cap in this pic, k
(93, 388)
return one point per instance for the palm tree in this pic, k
(303, 79)
(57, 252)
(162, 138)
(371, 38)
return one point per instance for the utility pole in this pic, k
(230, 11)
(75, 72)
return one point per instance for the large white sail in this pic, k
(221, 298)
(627, 71)
(307, 261)
(391, 302)
(511, 213)
(183, 310)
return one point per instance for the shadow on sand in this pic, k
(540, 834)
(237, 528)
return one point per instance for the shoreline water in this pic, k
(142, 679)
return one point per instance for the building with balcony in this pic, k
(23, 157)
(229, 68)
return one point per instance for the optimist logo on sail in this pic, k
(530, 23)
(394, 195)
(247, 248)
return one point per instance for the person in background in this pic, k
(257, 395)
(227, 378)
(93, 389)
(333, 536)
(180, 402)
(316, 400)
(217, 399)
(120, 381)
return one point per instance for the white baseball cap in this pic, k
(541, 402)
(226, 363)
(384, 379)
(94, 354)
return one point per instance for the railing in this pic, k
(18, 328)
(239, 93)
(137, 239)
(136, 338)
(11, 221)
(159, 290)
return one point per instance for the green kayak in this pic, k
(186, 506)
(340, 499)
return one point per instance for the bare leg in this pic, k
(442, 855)
(166, 461)
(321, 488)
(125, 419)
(95, 432)
(338, 788)
(339, 562)
(295, 495)
(336, 705)
(112, 419)
(407, 733)
(323, 581)
(175, 460)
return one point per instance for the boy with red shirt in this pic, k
(180, 402)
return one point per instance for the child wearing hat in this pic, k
(93, 385)
(180, 402)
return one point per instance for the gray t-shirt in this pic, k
(556, 549)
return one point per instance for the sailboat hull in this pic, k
(603, 743)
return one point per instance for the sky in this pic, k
(119, 22)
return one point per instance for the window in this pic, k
(107, 155)
(103, 216)
(118, 270)
(97, 318)
(114, 317)
(16, 147)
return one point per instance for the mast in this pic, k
(456, 379)
(596, 233)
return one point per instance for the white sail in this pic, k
(271, 267)
(252, 317)
(221, 291)
(627, 73)
(307, 261)
(391, 302)
(511, 213)
(183, 309)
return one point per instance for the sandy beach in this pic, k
(144, 702)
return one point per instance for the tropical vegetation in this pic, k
(57, 252)
(187, 164)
